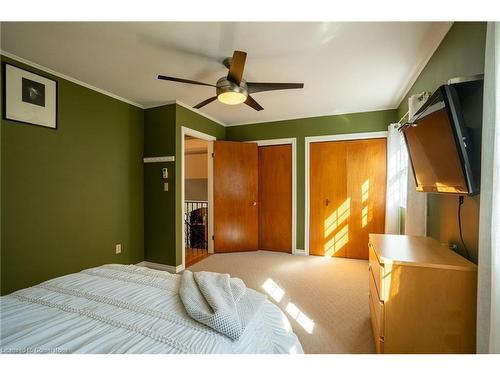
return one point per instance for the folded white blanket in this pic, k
(222, 303)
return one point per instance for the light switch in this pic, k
(118, 248)
(165, 186)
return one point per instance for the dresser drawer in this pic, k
(377, 270)
(427, 296)
(378, 306)
(377, 337)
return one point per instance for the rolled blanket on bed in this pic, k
(222, 303)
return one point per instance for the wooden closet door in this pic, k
(235, 196)
(366, 186)
(329, 206)
(275, 198)
(347, 196)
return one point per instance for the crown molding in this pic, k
(67, 78)
(178, 102)
(99, 90)
(182, 104)
(386, 108)
(168, 102)
(199, 112)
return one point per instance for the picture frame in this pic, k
(28, 97)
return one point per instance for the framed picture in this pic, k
(29, 98)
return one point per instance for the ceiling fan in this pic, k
(233, 89)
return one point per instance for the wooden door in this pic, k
(329, 207)
(235, 196)
(366, 186)
(275, 198)
(347, 196)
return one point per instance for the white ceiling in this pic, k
(346, 67)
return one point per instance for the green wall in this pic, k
(69, 195)
(159, 206)
(89, 175)
(306, 127)
(189, 119)
(163, 210)
(461, 53)
(163, 241)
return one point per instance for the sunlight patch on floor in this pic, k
(277, 294)
(273, 290)
(300, 317)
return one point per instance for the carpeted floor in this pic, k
(325, 299)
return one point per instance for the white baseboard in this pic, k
(299, 252)
(161, 267)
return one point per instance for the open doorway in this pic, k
(197, 222)
(195, 199)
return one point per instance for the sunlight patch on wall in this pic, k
(365, 211)
(337, 242)
(364, 217)
(337, 217)
(365, 190)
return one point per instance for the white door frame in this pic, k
(326, 138)
(293, 142)
(197, 134)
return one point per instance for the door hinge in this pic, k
(213, 155)
(213, 238)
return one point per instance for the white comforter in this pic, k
(125, 309)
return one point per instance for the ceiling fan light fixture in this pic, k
(231, 97)
(233, 89)
(230, 93)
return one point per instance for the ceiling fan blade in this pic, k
(182, 80)
(252, 103)
(269, 86)
(205, 102)
(236, 68)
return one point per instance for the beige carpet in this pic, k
(325, 299)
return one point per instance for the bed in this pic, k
(126, 309)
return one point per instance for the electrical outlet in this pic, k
(118, 248)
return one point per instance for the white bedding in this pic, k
(125, 309)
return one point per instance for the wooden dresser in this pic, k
(422, 296)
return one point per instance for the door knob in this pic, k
(254, 204)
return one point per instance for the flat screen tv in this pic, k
(444, 140)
